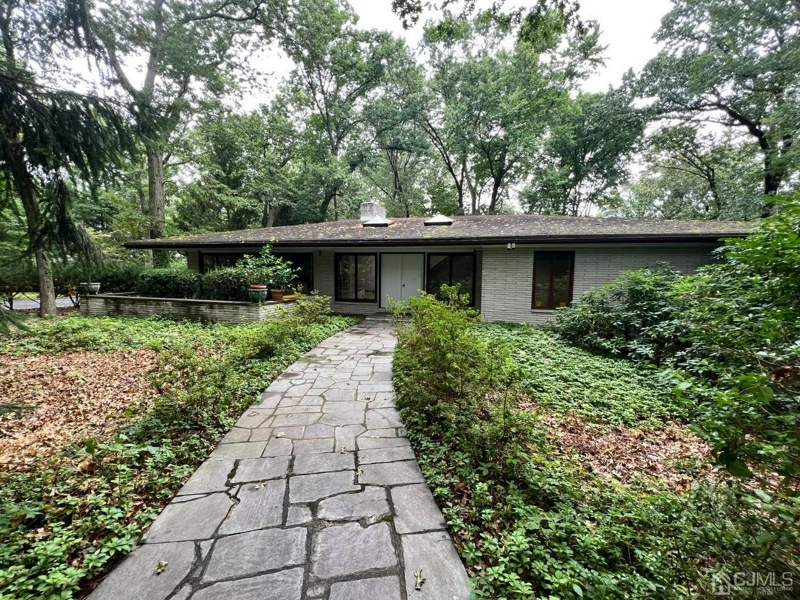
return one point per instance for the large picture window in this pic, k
(552, 279)
(452, 269)
(356, 277)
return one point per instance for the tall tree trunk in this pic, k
(157, 201)
(33, 216)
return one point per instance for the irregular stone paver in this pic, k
(256, 552)
(384, 455)
(396, 473)
(445, 578)
(385, 588)
(321, 463)
(369, 504)
(260, 469)
(211, 476)
(276, 586)
(313, 494)
(195, 519)
(260, 505)
(415, 509)
(310, 488)
(136, 577)
(351, 549)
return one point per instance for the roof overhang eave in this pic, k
(480, 241)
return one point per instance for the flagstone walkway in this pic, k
(314, 494)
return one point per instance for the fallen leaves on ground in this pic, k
(630, 455)
(75, 396)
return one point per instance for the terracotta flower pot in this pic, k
(277, 295)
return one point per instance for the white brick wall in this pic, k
(507, 284)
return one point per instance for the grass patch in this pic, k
(68, 520)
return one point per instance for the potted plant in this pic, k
(89, 286)
(261, 270)
(282, 276)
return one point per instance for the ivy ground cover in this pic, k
(69, 515)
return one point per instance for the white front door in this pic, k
(402, 276)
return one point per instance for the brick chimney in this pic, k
(372, 210)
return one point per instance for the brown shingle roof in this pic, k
(467, 230)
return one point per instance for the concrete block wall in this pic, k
(507, 285)
(216, 311)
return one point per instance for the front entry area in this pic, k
(402, 276)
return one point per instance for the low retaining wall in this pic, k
(217, 311)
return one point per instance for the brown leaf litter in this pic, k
(75, 395)
(630, 455)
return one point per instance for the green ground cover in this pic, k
(531, 518)
(67, 521)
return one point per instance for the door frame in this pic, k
(380, 273)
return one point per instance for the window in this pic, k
(452, 269)
(552, 279)
(209, 262)
(356, 277)
(303, 263)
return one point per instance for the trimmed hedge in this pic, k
(225, 284)
(169, 283)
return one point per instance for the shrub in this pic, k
(228, 283)
(314, 308)
(175, 282)
(527, 520)
(115, 277)
(633, 316)
(17, 276)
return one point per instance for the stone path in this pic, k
(314, 494)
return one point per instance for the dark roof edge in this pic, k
(497, 241)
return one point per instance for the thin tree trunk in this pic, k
(157, 204)
(47, 293)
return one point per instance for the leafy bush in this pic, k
(633, 316)
(731, 339)
(175, 282)
(228, 283)
(62, 526)
(115, 277)
(314, 308)
(527, 521)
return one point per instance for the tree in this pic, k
(490, 109)
(50, 136)
(736, 64)
(338, 68)
(246, 177)
(585, 156)
(189, 45)
(690, 175)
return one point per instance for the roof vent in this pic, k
(372, 210)
(377, 222)
(439, 220)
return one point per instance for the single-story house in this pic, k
(516, 268)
